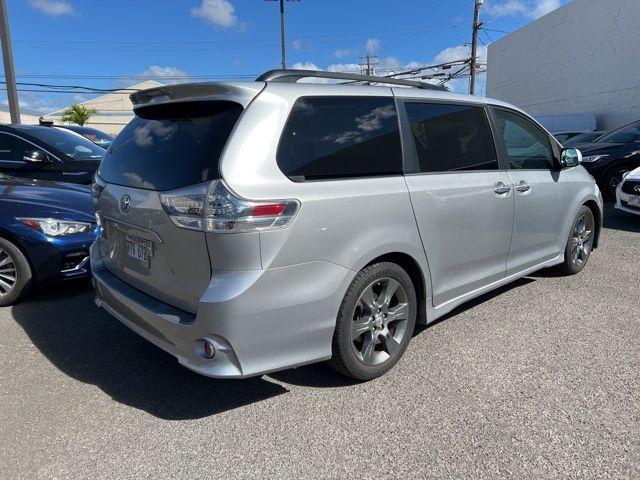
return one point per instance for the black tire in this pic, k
(610, 180)
(579, 245)
(12, 258)
(362, 357)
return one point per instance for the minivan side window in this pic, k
(341, 137)
(451, 137)
(528, 146)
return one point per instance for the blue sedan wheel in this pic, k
(15, 273)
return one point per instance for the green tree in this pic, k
(77, 114)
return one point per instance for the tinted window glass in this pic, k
(528, 146)
(333, 137)
(170, 149)
(451, 137)
(626, 134)
(12, 148)
(70, 143)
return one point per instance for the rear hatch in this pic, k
(167, 146)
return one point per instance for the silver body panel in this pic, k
(269, 300)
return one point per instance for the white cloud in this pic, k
(390, 65)
(545, 6)
(53, 8)
(372, 46)
(528, 8)
(166, 75)
(300, 45)
(162, 72)
(219, 13)
(343, 52)
(459, 52)
(305, 66)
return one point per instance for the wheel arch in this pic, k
(597, 215)
(17, 242)
(420, 281)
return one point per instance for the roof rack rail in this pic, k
(292, 76)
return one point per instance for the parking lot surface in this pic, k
(538, 379)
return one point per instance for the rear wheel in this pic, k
(15, 273)
(580, 242)
(375, 322)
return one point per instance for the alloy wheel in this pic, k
(380, 321)
(581, 240)
(8, 273)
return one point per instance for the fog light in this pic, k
(208, 350)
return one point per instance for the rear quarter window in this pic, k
(340, 137)
(171, 146)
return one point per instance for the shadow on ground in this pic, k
(91, 346)
(322, 376)
(618, 220)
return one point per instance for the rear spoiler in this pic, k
(241, 93)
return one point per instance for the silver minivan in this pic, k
(253, 227)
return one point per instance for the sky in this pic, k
(116, 43)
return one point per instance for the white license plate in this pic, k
(634, 200)
(139, 248)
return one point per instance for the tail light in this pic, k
(213, 208)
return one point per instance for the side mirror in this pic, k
(36, 156)
(570, 157)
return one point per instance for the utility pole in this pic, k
(7, 56)
(367, 68)
(283, 39)
(474, 45)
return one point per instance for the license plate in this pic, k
(634, 200)
(139, 248)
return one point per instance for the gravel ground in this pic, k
(539, 379)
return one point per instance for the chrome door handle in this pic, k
(501, 188)
(523, 186)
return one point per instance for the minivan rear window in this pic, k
(173, 146)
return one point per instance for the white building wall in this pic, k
(582, 57)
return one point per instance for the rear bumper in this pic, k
(260, 321)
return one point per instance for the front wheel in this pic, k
(15, 273)
(580, 242)
(375, 322)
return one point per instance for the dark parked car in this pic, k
(584, 137)
(35, 151)
(611, 156)
(98, 137)
(562, 137)
(46, 229)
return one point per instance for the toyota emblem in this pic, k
(125, 203)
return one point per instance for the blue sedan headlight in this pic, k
(57, 228)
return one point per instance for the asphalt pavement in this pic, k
(538, 379)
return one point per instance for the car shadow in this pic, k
(615, 219)
(320, 375)
(90, 346)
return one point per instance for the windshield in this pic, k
(626, 134)
(582, 138)
(71, 144)
(96, 136)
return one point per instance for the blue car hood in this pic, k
(39, 198)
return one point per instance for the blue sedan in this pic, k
(46, 229)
